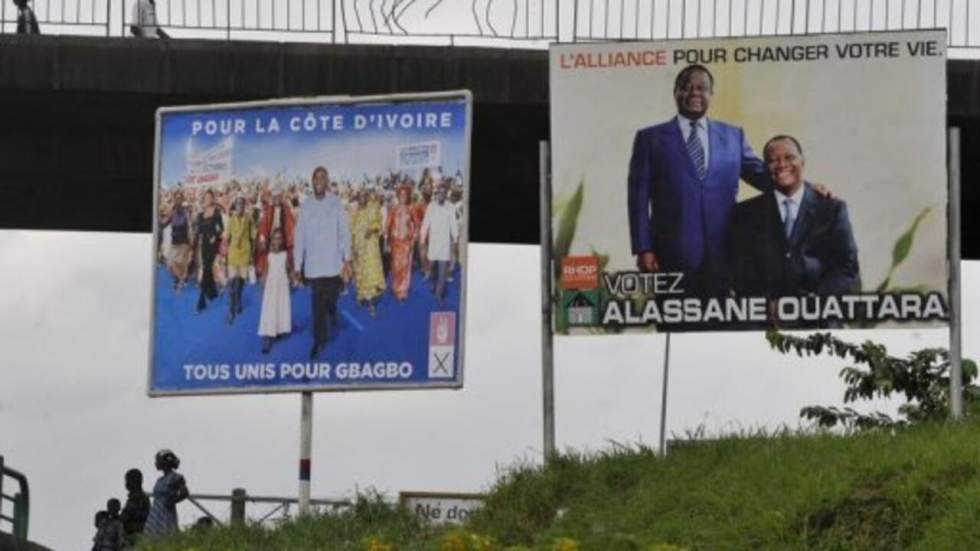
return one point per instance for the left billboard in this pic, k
(310, 245)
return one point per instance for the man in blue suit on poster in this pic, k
(683, 180)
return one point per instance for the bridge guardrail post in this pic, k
(238, 496)
(21, 516)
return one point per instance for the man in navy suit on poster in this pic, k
(683, 180)
(792, 241)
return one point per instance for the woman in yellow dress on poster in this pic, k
(365, 228)
(240, 233)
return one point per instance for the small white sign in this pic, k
(438, 508)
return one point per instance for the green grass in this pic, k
(914, 489)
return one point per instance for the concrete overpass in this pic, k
(76, 138)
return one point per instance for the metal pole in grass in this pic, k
(663, 400)
(955, 313)
(547, 338)
(305, 450)
(238, 497)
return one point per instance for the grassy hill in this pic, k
(914, 489)
(8, 543)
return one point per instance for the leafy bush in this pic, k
(922, 377)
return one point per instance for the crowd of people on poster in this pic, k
(226, 236)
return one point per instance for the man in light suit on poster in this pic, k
(683, 180)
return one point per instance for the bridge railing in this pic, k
(505, 22)
(360, 20)
(83, 17)
(509, 20)
(255, 19)
(668, 19)
(279, 513)
(14, 517)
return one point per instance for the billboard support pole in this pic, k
(305, 450)
(547, 338)
(663, 400)
(956, 315)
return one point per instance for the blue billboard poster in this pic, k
(312, 244)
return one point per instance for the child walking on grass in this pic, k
(276, 316)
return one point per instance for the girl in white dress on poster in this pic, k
(276, 316)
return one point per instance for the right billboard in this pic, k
(748, 184)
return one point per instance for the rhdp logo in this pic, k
(580, 272)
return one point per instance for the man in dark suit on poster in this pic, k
(792, 241)
(683, 181)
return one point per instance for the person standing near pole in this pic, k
(169, 490)
(137, 508)
(322, 253)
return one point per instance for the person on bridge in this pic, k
(170, 489)
(26, 21)
(145, 20)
